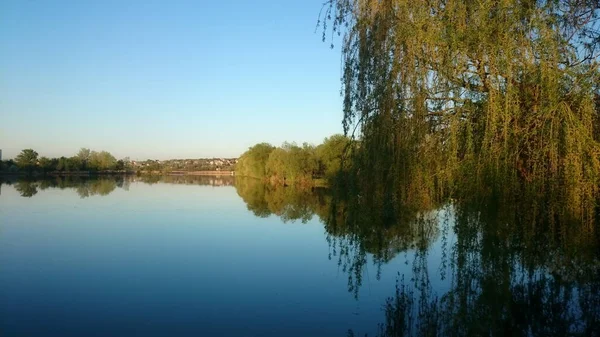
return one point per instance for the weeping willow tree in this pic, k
(451, 97)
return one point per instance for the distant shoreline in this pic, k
(201, 173)
(116, 173)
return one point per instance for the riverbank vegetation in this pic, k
(294, 164)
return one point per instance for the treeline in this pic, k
(29, 161)
(293, 164)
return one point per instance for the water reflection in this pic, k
(497, 269)
(104, 185)
(27, 189)
(500, 271)
(503, 280)
(215, 181)
(352, 232)
(290, 204)
(83, 186)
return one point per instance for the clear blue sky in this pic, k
(164, 79)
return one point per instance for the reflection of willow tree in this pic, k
(504, 280)
(362, 226)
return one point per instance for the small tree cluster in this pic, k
(291, 163)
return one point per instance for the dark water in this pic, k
(211, 256)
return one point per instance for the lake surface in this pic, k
(212, 256)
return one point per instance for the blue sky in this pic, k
(164, 79)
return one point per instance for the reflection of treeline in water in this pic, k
(104, 185)
(293, 164)
(351, 232)
(215, 181)
(83, 186)
(288, 203)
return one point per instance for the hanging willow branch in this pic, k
(452, 94)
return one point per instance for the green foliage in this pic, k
(84, 160)
(84, 156)
(47, 164)
(27, 159)
(252, 163)
(293, 164)
(8, 166)
(331, 153)
(455, 98)
(278, 164)
(102, 161)
(71, 164)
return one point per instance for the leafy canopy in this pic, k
(448, 96)
(27, 158)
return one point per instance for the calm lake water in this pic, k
(211, 256)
